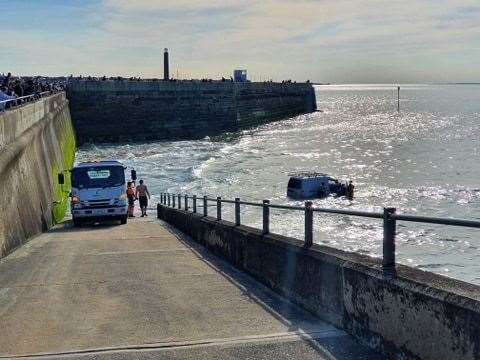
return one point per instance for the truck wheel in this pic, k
(77, 223)
(123, 220)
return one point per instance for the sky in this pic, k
(336, 41)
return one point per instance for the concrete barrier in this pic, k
(415, 315)
(179, 109)
(36, 142)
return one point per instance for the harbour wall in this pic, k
(412, 315)
(37, 141)
(123, 110)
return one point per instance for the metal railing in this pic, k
(389, 217)
(22, 100)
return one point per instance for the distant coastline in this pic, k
(463, 83)
(393, 84)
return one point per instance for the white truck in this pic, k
(98, 192)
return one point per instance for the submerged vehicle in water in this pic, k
(309, 185)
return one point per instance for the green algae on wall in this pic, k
(61, 192)
(37, 142)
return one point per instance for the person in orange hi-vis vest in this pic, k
(131, 199)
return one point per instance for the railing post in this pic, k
(168, 197)
(173, 201)
(266, 216)
(179, 201)
(237, 211)
(389, 227)
(186, 202)
(219, 208)
(205, 206)
(194, 205)
(159, 208)
(308, 224)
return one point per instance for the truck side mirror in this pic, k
(61, 179)
(134, 175)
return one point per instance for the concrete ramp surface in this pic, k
(141, 291)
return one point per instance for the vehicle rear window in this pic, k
(294, 184)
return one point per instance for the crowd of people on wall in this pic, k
(135, 78)
(16, 90)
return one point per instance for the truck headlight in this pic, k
(121, 200)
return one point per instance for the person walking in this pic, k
(141, 193)
(131, 199)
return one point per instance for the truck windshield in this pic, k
(98, 177)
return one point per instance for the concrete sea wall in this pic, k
(414, 315)
(37, 141)
(110, 111)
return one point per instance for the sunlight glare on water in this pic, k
(423, 160)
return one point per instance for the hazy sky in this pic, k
(391, 41)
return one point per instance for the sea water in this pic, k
(423, 160)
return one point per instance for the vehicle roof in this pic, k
(306, 175)
(98, 163)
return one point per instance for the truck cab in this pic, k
(98, 192)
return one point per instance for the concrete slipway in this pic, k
(142, 291)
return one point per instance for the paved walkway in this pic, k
(139, 291)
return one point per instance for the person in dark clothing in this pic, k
(29, 89)
(6, 80)
(18, 88)
(350, 190)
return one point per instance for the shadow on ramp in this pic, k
(326, 344)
